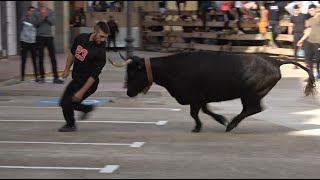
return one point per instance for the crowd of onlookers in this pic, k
(304, 16)
(266, 13)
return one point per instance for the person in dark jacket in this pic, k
(114, 29)
(44, 19)
(88, 58)
(28, 42)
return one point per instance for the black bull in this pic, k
(198, 78)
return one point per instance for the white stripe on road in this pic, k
(119, 108)
(106, 169)
(158, 123)
(135, 144)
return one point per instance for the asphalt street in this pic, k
(150, 136)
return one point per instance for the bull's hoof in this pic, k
(196, 130)
(230, 127)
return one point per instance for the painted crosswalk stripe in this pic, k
(106, 169)
(158, 123)
(115, 108)
(135, 144)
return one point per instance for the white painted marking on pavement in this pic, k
(106, 169)
(120, 108)
(158, 123)
(109, 169)
(135, 144)
(161, 123)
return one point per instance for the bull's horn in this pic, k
(123, 57)
(122, 64)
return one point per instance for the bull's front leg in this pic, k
(194, 111)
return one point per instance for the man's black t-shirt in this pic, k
(299, 23)
(273, 11)
(90, 58)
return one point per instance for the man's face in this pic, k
(296, 11)
(99, 36)
(30, 12)
(312, 11)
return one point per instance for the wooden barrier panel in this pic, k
(174, 37)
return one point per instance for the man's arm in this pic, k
(69, 63)
(35, 20)
(79, 94)
(305, 36)
(50, 19)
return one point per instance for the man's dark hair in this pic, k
(31, 7)
(103, 27)
(312, 6)
(296, 6)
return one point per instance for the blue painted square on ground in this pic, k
(87, 101)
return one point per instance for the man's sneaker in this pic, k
(58, 81)
(67, 128)
(85, 115)
(41, 80)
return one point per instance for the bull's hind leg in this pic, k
(222, 120)
(252, 103)
(250, 107)
(194, 111)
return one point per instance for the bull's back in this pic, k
(214, 76)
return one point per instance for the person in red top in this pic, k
(226, 9)
(88, 57)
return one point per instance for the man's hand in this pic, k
(65, 74)
(77, 96)
(300, 43)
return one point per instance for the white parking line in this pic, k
(158, 123)
(135, 144)
(117, 108)
(107, 169)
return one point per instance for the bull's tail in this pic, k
(310, 88)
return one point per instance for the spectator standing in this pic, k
(186, 29)
(263, 24)
(298, 21)
(114, 29)
(311, 39)
(273, 18)
(178, 5)
(162, 6)
(43, 20)
(28, 42)
(239, 6)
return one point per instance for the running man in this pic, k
(88, 57)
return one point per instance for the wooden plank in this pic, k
(181, 45)
(163, 33)
(170, 12)
(285, 37)
(244, 37)
(232, 24)
(241, 49)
